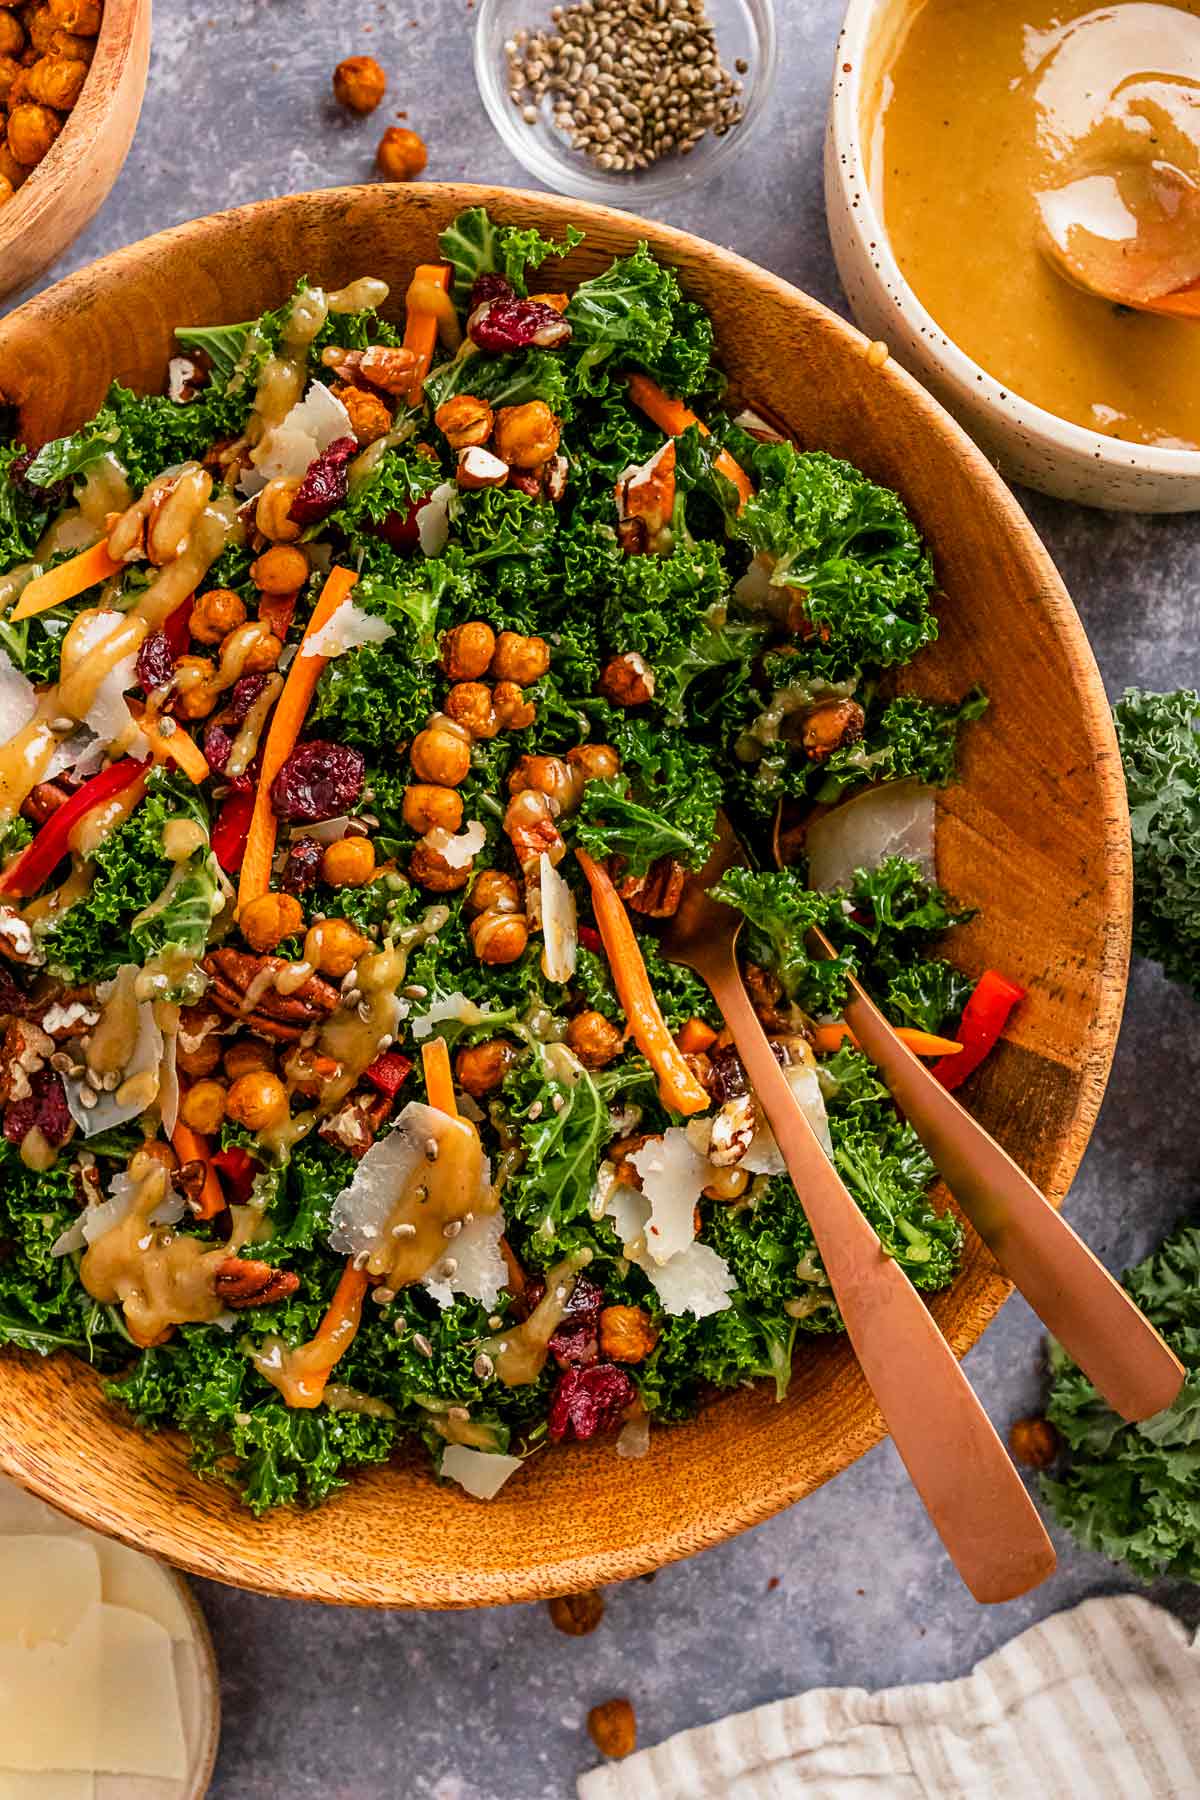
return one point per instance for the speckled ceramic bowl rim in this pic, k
(852, 68)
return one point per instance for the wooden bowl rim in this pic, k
(86, 121)
(240, 1566)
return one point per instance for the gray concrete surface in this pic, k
(491, 1706)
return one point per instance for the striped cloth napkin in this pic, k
(1100, 1703)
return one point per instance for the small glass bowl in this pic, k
(744, 29)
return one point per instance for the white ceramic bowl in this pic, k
(1029, 444)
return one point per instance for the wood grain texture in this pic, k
(1036, 837)
(72, 182)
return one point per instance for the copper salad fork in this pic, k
(954, 1458)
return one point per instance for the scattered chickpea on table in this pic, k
(359, 84)
(46, 49)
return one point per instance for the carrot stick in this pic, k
(830, 1037)
(67, 582)
(189, 1146)
(673, 417)
(421, 324)
(177, 747)
(287, 721)
(439, 1083)
(677, 1086)
(695, 1037)
(331, 1340)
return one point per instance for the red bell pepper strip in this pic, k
(178, 627)
(231, 829)
(39, 860)
(240, 1169)
(389, 1072)
(984, 1017)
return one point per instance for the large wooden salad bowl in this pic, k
(1036, 837)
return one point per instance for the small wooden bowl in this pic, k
(1036, 836)
(72, 182)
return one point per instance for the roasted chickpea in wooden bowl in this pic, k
(72, 77)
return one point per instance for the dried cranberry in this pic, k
(728, 1075)
(302, 869)
(317, 781)
(155, 662)
(588, 1401)
(325, 485)
(242, 696)
(577, 1341)
(57, 494)
(400, 529)
(512, 324)
(12, 1000)
(45, 1107)
(490, 287)
(217, 744)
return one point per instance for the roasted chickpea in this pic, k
(546, 775)
(271, 513)
(216, 614)
(280, 570)
(261, 654)
(429, 869)
(440, 754)
(499, 937)
(200, 1061)
(370, 417)
(203, 1107)
(40, 27)
(12, 35)
(612, 1727)
(70, 45)
(526, 436)
(426, 808)
(257, 1100)
(159, 1152)
(82, 16)
(520, 659)
(56, 81)
(596, 762)
(595, 1040)
(726, 1184)
(14, 173)
(265, 922)
(359, 84)
(830, 726)
(246, 1055)
(348, 863)
(493, 889)
(468, 650)
(627, 680)
(333, 946)
(480, 1068)
(464, 420)
(7, 190)
(469, 704)
(10, 74)
(1034, 1442)
(31, 131)
(195, 692)
(513, 710)
(627, 1333)
(401, 154)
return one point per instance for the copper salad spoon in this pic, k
(956, 1462)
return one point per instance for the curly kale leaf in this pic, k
(1133, 1491)
(381, 693)
(1159, 735)
(65, 457)
(635, 312)
(394, 483)
(663, 803)
(475, 244)
(503, 380)
(929, 994)
(847, 544)
(23, 514)
(149, 433)
(912, 738)
(43, 1304)
(780, 909)
(889, 1179)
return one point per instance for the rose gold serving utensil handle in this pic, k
(954, 1458)
(1085, 1307)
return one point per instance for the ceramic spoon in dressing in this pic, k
(1129, 233)
(954, 1458)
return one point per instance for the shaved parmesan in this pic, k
(131, 1099)
(145, 1738)
(633, 1439)
(18, 702)
(559, 925)
(168, 1083)
(479, 1270)
(348, 627)
(763, 1157)
(326, 831)
(47, 1784)
(287, 450)
(451, 1008)
(320, 414)
(108, 715)
(459, 850)
(897, 819)
(47, 1585)
(81, 754)
(673, 1176)
(63, 1735)
(23, 1514)
(695, 1280)
(130, 1580)
(481, 1472)
(361, 1210)
(433, 519)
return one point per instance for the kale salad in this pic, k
(366, 699)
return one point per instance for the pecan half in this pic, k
(353, 1127)
(241, 1282)
(658, 892)
(282, 1017)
